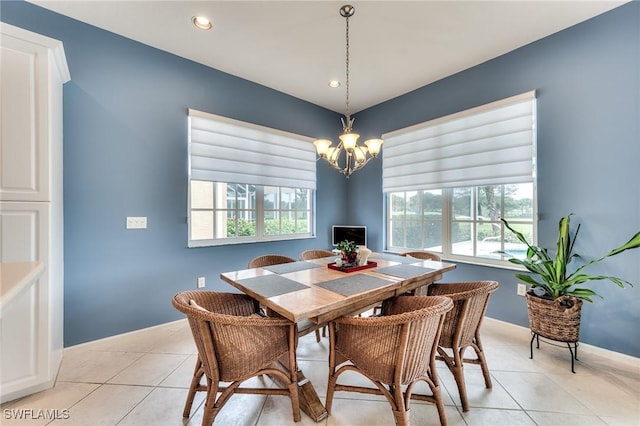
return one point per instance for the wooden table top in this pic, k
(304, 297)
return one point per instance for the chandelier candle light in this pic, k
(356, 156)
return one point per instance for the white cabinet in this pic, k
(33, 69)
(23, 330)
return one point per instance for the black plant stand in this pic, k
(574, 351)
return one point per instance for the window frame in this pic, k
(448, 220)
(259, 212)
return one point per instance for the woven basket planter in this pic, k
(550, 319)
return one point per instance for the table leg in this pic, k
(309, 399)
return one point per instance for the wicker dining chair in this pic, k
(461, 329)
(316, 254)
(304, 327)
(234, 346)
(424, 255)
(268, 260)
(393, 351)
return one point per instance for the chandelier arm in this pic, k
(363, 163)
(348, 162)
(336, 154)
(333, 164)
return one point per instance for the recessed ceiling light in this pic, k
(334, 83)
(202, 22)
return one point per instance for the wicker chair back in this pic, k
(424, 255)
(234, 345)
(268, 260)
(461, 328)
(392, 351)
(315, 254)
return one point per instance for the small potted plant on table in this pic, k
(349, 251)
(556, 292)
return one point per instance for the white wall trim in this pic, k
(582, 347)
(129, 333)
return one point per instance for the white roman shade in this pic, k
(491, 144)
(226, 150)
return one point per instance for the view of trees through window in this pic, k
(461, 221)
(249, 212)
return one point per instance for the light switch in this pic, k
(137, 222)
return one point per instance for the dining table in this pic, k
(318, 290)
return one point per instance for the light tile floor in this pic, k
(142, 378)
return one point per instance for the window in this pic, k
(450, 180)
(247, 183)
(229, 212)
(415, 220)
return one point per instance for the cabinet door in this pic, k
(25, 331)
(24, 230)
(25, 148)
(32, 71)
(24, 339)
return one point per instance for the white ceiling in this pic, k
(296, 47)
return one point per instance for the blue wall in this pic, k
(126, 155)
(588, 89)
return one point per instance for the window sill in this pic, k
(228, 242)
(484, 262)
(474, 261)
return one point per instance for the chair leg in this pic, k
(195, 382)
(331, 382)
(401, 409)
(318, 335)
(401, 418)
(331, 386)
(210, 409)
(431, 379)
(483, 362)
(458, 373)
(437, 395)
(295, 401)
(436, 391)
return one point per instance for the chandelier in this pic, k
(355, 156)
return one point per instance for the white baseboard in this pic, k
(106, 339)
(583, 347)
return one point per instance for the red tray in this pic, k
(348, 269)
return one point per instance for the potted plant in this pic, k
(349, 251)
(556, 292)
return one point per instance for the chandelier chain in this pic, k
(347, 77)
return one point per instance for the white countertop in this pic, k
(15, 276)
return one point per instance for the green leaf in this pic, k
(552, 274)
(563, 246)
(528, 279)
(583, 278)
(633, 243)
(583, 293)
